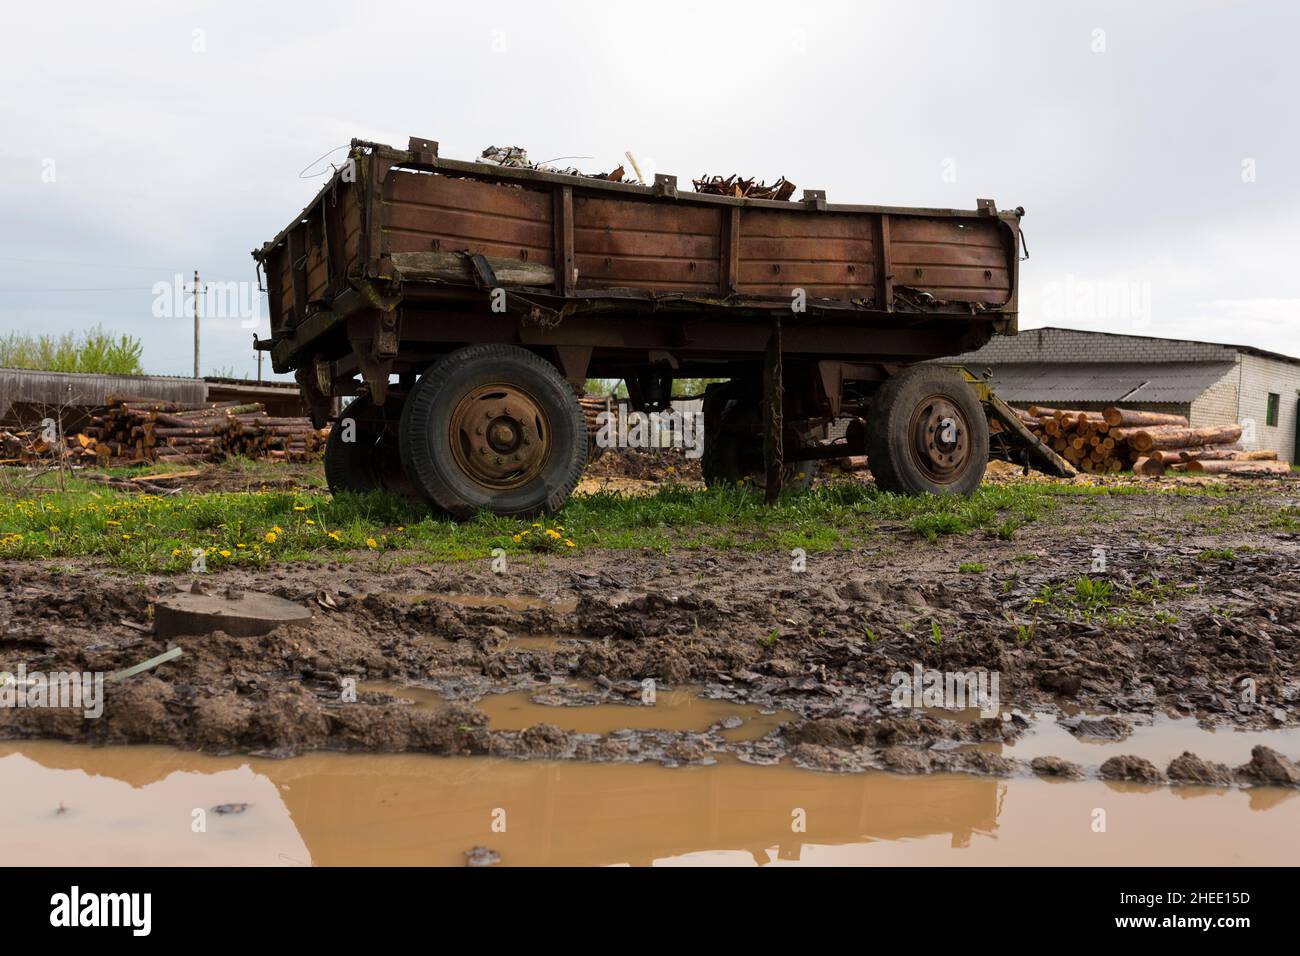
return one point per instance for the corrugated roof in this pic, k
(55, 389)
(1050, 383)
(1248, 349)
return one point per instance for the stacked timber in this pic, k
(28, 445)
(147, 429)
(1147, 443)
(13, 445)
(1081, 438)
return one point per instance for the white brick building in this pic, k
(1211, 384)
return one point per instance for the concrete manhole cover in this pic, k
(238, 613)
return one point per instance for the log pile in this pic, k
(1146, 443)
(16, 447)
(26, 445)
(146, 429)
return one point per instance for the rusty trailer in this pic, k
(464, 305)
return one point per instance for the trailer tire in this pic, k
(719, 461)
(729, 457)
(911, 448)
(370, 461)
(469, 450)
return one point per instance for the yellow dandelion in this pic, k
(270, 537)
(371, 543)
(225, 554)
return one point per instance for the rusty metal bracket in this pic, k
(370, 297)
(815, 198)
(574, 361)
(324, 369)
(484, 277)
(423, 151)
(1036, 452)
(387, 335)
(665, 185)
(318, 403)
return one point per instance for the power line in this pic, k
(87, 265)
(109, 289)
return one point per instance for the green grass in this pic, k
(1286, 518)
(1217, 554)
(1096, 599)
(148, 532)
(256, 527)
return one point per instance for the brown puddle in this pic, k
(69, 804)
(511, 602)
(677, 709)
(543, 642)
(1160, 741)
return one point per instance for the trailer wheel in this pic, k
(494, 427)
(729, 457)
(370, 461)
(719, 461)
(927, 433)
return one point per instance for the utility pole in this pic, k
(196, 323)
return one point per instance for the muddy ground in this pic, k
(1212, 609)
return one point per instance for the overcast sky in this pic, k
(1153, 145)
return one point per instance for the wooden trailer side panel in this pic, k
(423, 213)
(622, 243)
(828, 255)
(313, 257)
(964, 260)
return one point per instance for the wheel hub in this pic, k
(499, 436)
(940, 439)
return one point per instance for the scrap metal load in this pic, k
(735, 186)
(146, 429)
(1146, 443)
